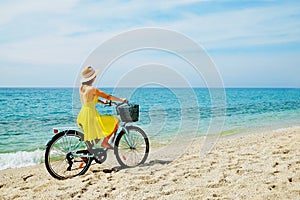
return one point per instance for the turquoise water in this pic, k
(28, 115)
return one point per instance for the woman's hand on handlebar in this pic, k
(103, 101)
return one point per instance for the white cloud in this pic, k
(14, 9)
(69, 30)
(242, 28)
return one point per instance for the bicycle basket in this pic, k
(129, 113)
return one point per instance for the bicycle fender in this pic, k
(60, 134)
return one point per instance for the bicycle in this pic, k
(67, 154)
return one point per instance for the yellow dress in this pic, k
(94, 125)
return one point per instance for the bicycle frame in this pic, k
(122, 127)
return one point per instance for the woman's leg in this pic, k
(110, 120)
(105, 143)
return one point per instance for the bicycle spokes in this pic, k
(132, 148)
(67, 156)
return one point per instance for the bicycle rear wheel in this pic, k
(66, 155)
(132, 148)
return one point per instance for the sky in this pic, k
(252, 43)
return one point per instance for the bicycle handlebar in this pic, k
(110, 103)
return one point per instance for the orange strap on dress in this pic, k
(102, 94)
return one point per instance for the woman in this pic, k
(95, 126)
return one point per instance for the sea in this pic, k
(28, 115)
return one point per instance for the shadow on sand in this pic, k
(149, 164)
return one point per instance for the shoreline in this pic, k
(263, 165)
(38, 153)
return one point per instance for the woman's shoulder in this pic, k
(87, 89)
(90, 88)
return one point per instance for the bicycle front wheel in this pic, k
(132, 148)
(66, 155)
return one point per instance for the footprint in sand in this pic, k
(27, 177)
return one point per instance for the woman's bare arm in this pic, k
(109, 97)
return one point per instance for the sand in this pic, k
(263, 165)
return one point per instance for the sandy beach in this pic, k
(263, 165)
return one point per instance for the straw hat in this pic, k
(88, 73)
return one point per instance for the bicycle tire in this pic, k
(131, 148)
(58, 155)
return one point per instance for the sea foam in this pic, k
(21, 159)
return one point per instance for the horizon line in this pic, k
(130, 87)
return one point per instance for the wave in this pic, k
(21, 159)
